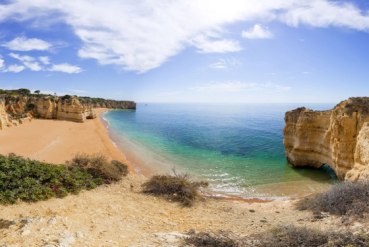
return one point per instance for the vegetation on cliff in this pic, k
(177, 188)
(31, 180)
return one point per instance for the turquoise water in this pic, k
(238, 148)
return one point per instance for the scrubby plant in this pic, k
(206, 239)
(30, 180)
(291, 236)
(99, 167)
(346, 198)
(177, 187)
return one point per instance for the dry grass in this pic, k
(177, 188)
(204, 239)
(291, 236)
(347, 198)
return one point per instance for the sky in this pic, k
(222, 51)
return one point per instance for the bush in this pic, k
(203, 239)
(177, 188)
(99, 167)
(30, 180)
(291, 236)
(347, 198)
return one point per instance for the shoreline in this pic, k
(56, 141)
(288, 190)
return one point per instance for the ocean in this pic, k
(238, 148)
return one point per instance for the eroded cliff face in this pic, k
(18, 109)
(338, 138)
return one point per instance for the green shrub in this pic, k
(291, 236)
(177, 188)
(346, 198)
(30, 180)
(99, 167)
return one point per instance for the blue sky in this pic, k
(187, 50)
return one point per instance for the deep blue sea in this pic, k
(238, 148)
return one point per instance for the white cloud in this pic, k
(15, 68)
(45, 60)
(257, 32)
(32, 64)
(206, 45)
(237, 86)
(21, 58)
(320, 13)
(225, 63)
(66, 68)
(142, 35)
(2, 63)
(25, 44)
(27, 61)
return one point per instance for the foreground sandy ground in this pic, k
(119, 214)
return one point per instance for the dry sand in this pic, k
(58, 141)
(115, 215)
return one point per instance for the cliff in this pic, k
(337, 137)
(15, 108)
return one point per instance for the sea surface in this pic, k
(238, 148)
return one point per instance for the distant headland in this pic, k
(20, 105)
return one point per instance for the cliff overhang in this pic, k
(337, 137)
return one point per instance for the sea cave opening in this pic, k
(326, 168)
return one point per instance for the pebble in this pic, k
(25, 232)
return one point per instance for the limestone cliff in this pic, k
(337, 137)
(17, 108)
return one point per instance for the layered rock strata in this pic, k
(337, 137)
(17, 109)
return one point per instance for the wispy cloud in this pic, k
(225, 64)
(237, 86)
(142, 35)
(25, 44)
(15, 68)
(2, 63)
(209, 45)
(257, 32)
(45, 60)
(42, 63)
(66, 68)
(27, 61)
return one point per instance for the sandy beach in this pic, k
(57, 141)
(119, 214)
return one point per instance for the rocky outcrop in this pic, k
(4, 119)
(16, 109)
(337, 137)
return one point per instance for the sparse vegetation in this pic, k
(346, 198)
(204, 239)
(284, 236)
(31, 180)
(291, 236)
(175, 187)
(99, 167)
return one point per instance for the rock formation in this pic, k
(337, 137)
(17, 108)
